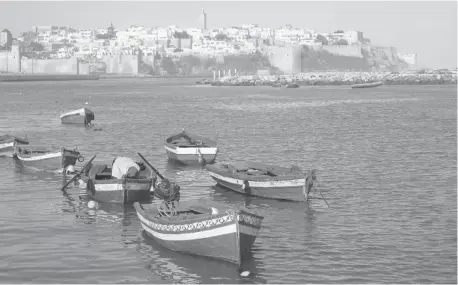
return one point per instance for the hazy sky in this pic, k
(426, 28)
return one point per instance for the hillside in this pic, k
(373, 59)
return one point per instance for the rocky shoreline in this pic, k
(340, 78)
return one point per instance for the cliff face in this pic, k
(370, 58)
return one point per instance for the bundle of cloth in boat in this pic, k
(125, 167)
(167, 191)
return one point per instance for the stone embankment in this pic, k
(341, 78)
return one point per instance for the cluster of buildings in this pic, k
(173, 41)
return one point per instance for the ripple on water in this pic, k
(385, 158)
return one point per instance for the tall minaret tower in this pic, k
(203, 20)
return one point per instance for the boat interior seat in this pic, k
(103, 176)
(199, 209)
(99, 170)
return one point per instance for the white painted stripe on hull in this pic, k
(118, 187)
(41, 157)
(108, 187)
(229, 229)
(192, 150)
(5, 145)
(261, 184)
(81, 112)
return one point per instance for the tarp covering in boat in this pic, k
(125, 166)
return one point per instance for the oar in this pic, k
(149, 164)
(79, 173)
(324, 198)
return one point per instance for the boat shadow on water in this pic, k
(224, 195)
(187, 268)
(173, 165)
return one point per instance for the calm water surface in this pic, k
(385, 159)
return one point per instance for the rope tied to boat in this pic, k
(232, 211)
(169, 193)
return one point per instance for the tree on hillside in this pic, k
(322, 39)
(342, 42)
(111, 33)
(339, 32)
(221, 37)
(168, 65)
(181, 35)
(188, 62)
(35, 46)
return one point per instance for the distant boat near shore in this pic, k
(8, 142)
(367, 85)
(82, 116)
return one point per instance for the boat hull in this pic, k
(191, 155)
(119, 191)
(7, 149)
(51, 161)
(7, 146)
(291, 190)
(78, 117)
(367, 85)
(227, 237)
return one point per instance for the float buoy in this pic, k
(92, 204)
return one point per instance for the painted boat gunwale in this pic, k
(209, 143)
(221, 170)
(236, 224)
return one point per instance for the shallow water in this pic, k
(385, 158)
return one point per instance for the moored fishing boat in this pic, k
(367, 85)
(47, 158)
(215, 230)
(125, 182)
(7, 144)
(190, 148)
(262, 180)
(81, 116)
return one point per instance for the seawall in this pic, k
(341, 78)
(46, 77)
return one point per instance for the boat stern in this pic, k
(249, 225)
(69, 157)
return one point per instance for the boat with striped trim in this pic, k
(262, 180)
(81, 116)
(217, 231)
(47, 158)
(190, 148)
(8, 142)
(367, 85)
(102, 186)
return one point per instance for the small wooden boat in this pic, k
(105, 185)
(367, 85)
(81, 116)
(286, 85)
(7, 144)
(189, 148)
(292, 85)
(217, 231)
(257, 179)
(47, 158)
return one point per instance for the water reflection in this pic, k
(179, 267)
(173, 165)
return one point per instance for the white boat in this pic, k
(189, 148)
(7, 144)
(81, 116)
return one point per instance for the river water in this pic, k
(385, 160)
